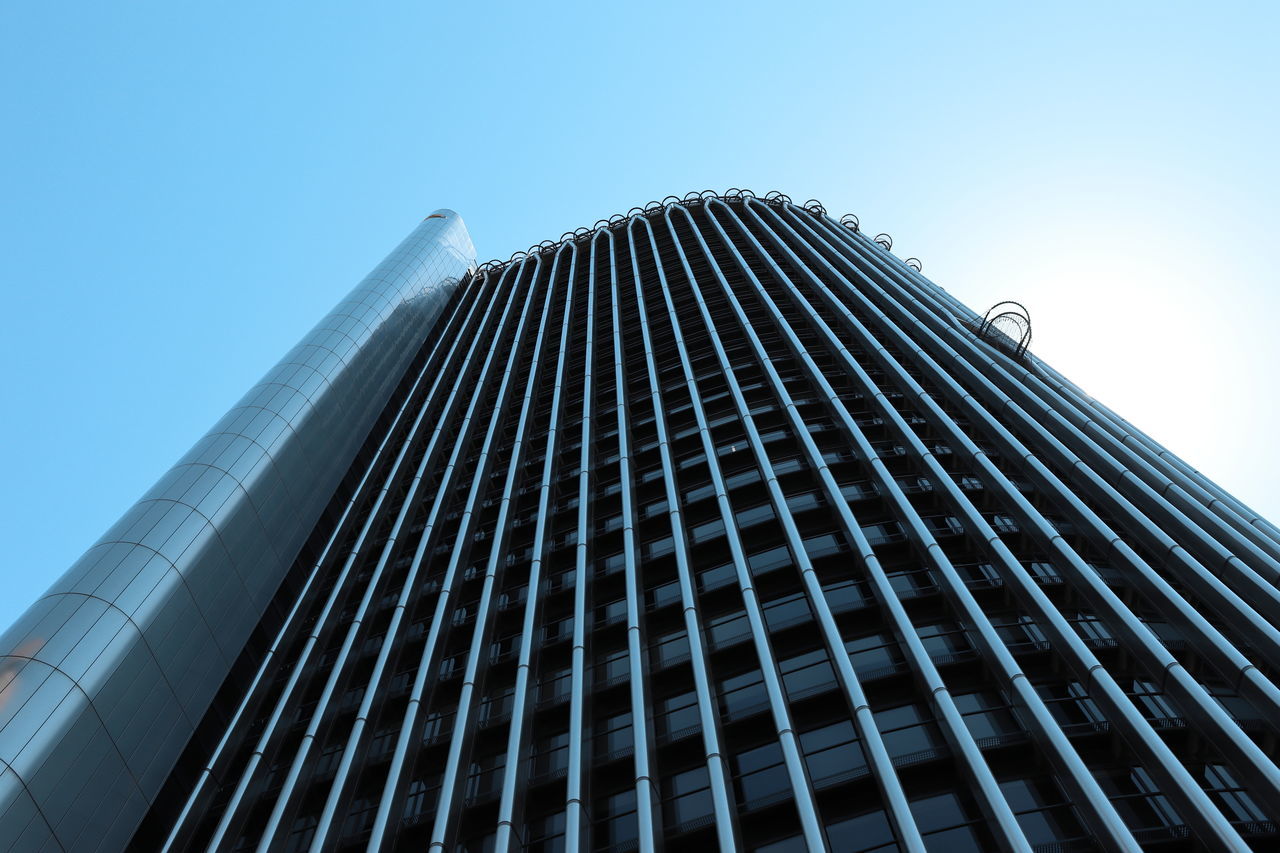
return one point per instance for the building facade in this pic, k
(714, 526)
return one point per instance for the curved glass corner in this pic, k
(104, 678)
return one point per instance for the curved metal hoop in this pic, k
(914, 263)
(1009, 328)
(734, 195)
(884, 240)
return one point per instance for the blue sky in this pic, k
(188, 188)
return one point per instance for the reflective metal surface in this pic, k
(103, 680)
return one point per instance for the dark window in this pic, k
(686, 796)
(1137, 798)
(907, 729)
(986, 714)
(760, 775)
(949, 822)
(873, 651)
(616, 819)
(833, 752)
(807, 674)
(866, 833)
(1043, 813)
(1228, 793)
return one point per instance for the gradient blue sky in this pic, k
(188, 188)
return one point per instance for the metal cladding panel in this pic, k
(719, 526)
(103, 680)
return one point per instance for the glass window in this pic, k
(873, 651)
(740, 694)
(671, 649)
(616, 823)
(667, 593)
(803, 502)
(942, 638)
(485, 775)
(944, 525)
(495, 706)
(677, 713)
(806, 674)
(979, 574)
(1070, 703)
(658, 548)
(760, 774)
(555, 686)
(304, 829)
(770, 560)
(612, 563)
(833, 752)
(550, 754)
(1020, 633)
(1043, 571)
(612, 611)
(1043, 813)
(727, 630)
(1088, 625)
(823, 546)
(614, 734)
(847, 595)
(786, 611)
(859, 491)
(1228, 793)
(1150, 699)
(613, 665)
(883, 533)
(707, 531)
(912, 581)
(986, 714)
(654, 508)
(717, 576)
(948, 822)
(699, 493)
(907, 728)
(1231, 701)
(866, 833)
(546, 834)
(418, 796)
(1137, 798)
(1004, 524)
(686, 796)
(754, 515)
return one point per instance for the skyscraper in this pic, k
(714, 525)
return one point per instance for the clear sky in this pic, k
(188, 187)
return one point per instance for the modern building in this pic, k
(714, 526)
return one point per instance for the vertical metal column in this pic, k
(288, 626)
(717, 769)
(646, 792)
(802, 790)
(443, 599)
(506, 838)
(463, 730)
(1003, 824)
(231, 811)
(576, 833)
(1160, 761)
